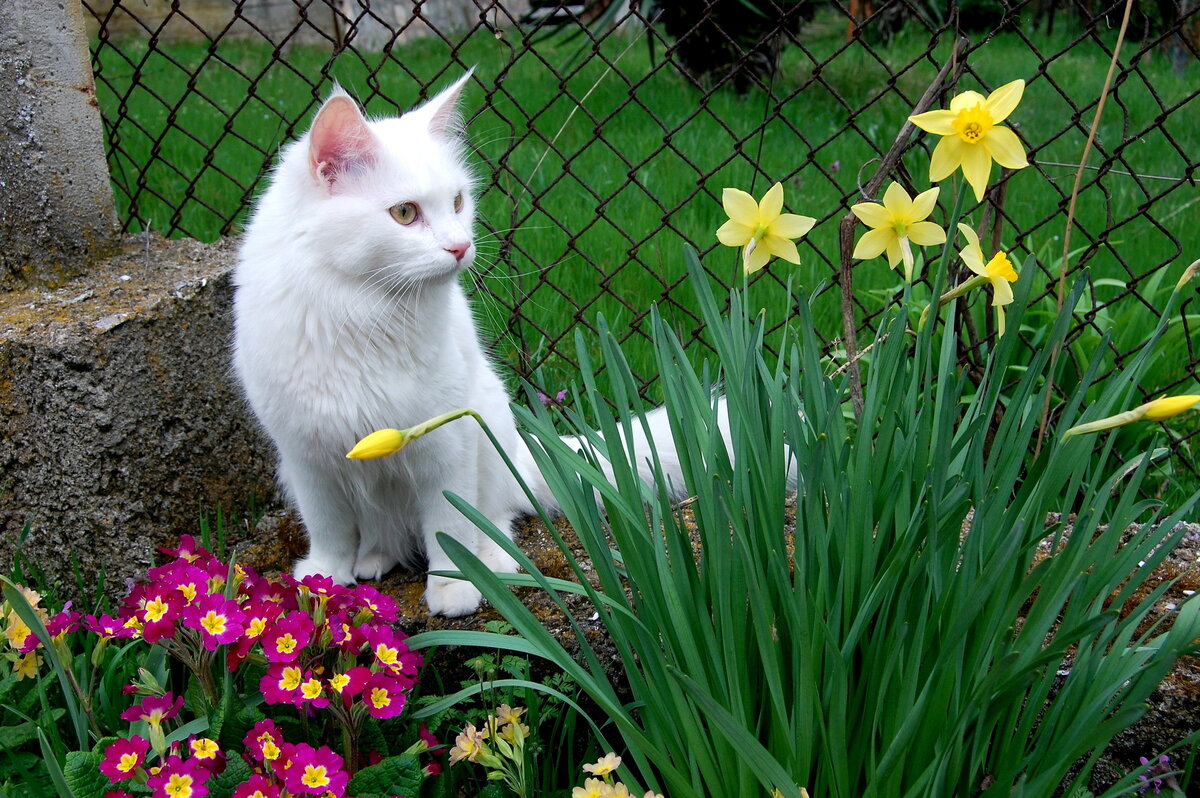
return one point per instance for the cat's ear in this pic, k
(444, 119)
(339, 141)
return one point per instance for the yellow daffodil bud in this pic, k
(1167, 406)
(1158, 410)
(380, 443)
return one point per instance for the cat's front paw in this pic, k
(314, 566)
(451, 597)
(373, 565)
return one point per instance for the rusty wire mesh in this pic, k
(790, 96)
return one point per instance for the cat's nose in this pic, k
(459, 251)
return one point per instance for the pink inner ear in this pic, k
(339, 140)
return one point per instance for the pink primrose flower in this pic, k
(284, 641)
(107, 626)
(218, 619)
(383, 608)
(208, 753)
(123, 757)
(188, 549)
(264, 742)
(181, 576)
(118, 794)
(345, 634)
(176, 778)
(384, 696)
(64, 622)
(154, 709)
(158, 609)
(312, 692)
(320, 586)
(315, 772)
(281, 683)
(257, 786)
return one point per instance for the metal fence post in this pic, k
(56, 203)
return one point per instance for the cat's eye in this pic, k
(404, 212)
(458, 203)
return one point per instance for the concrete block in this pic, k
(120, 418)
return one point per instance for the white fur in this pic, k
(347, 321)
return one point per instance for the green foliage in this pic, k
(912, 635)
(397, 775)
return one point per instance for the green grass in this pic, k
(587, 198)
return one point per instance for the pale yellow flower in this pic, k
(605, 765)
(27, 666)
(972, 136)
(896, 224)
(761, 229)
(592, 788)
(469, 745)
(998, 271)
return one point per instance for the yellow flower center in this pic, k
(311, 689)
(128, 762)
(270, 751)
(314, 776)
(189, 592)
(973, 123)
(155, 610)
(380, 698)
(256, 628)
(179, 785)
(386, 655)
(339, 682)
(286, 644)
(1001, 266)
(291, 678)
(213, 622)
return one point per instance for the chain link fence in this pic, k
(605, 132)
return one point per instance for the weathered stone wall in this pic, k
(120, 420)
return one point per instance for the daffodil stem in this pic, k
(846, 227)
(962, 289)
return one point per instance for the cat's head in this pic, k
(392, 194)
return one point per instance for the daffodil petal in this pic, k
(947, 156)
(873, 243)
(897, 201)
(757, 258)
(926, 234)
(1004, 146)
(1001, 292)
(1167, 406)
(734, 234)
(940, 123)
(968, 233)
(791, 225)
(1000, 320)
(968, 99)
(1003, 100)
(380, 443)
(872, 214)
(895, 254)
(924, 203)
(772, 203)
(976, 167)
(740, 206)
(780, 247)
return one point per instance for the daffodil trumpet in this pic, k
(1159, 410)
(386, 442)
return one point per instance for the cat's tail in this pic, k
(646, 442)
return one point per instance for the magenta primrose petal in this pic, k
(177, 778)
(384, 696)
(107, 626)
(218, 619)
(257, 786)
(281, 683)
(123, 757)
(264, 742)
(284, 641)
(154, 709)
(315, 772)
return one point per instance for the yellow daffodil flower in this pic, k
(998, 271)
(897, 224)
(1159, 410)
(972, 136)
(761, 229)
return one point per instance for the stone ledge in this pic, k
(120, 417)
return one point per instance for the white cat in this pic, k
(349, 317)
